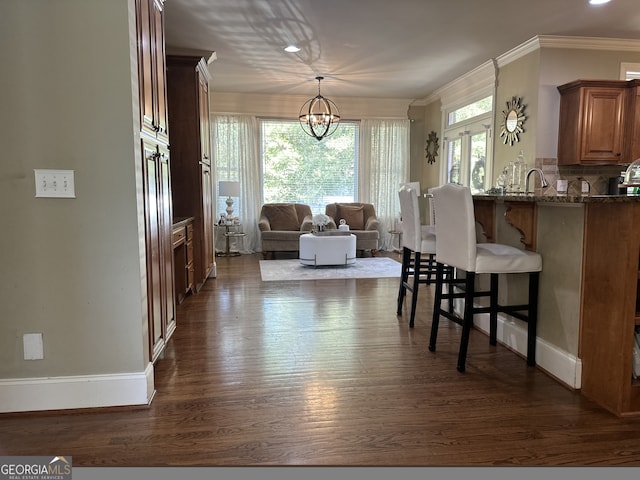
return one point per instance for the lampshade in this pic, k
(319, 116)
(229, 189)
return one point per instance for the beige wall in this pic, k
(71, 268)
(517, 79)
(433, 122)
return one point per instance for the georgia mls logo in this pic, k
(35, 468)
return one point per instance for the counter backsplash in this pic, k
(597, 175)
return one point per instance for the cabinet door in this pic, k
(207, 220)
(145, 65)
(165, 214)
(154, 248)
(159, 69)
(205, 133)
(151, 67)
(602, 124)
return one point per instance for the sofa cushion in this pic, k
(282, 217)
(352, 214)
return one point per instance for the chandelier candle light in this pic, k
(319, 116)
(229, 189)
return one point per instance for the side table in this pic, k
(229, 233)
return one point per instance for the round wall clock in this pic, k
(512, 120)
(432, 147)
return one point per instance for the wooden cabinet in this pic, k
(188, 108)
(151, 60)
(156, 173)
(183, 258)
(592, 122)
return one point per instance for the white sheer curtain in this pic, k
(384, 165)
(236, 158)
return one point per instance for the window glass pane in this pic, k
(298, 168)
(454, 155)
(478, 160)
(474, 109)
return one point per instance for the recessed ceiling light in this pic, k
(598, 2)
(291, 49)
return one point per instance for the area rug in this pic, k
(282, 270)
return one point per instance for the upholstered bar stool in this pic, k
(457, 247)
(417, 240)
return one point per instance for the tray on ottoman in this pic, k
(332, 233)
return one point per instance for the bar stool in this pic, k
(458, 247)
(417, 240)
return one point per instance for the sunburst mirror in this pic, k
(432, 147)
(512, 120)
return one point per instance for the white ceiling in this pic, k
(373, 48)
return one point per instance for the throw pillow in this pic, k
(352, 214)
(283, 217)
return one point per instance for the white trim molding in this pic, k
(83, 391)
(459, 91)
(576, 43)
(558, 363)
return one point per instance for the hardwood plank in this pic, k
(325, 373)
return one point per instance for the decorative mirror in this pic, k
(512, 120)
(432, 147)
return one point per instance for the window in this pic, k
(466, 144)
(298, 168)
(629, 71)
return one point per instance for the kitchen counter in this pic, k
(589, 285)
(515, 197)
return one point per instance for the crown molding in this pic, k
(577, 43)
(468, 85)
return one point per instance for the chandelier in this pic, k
(319, 116)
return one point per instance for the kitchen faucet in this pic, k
(543, 181)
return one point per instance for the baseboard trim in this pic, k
(73, 392)
(558, 363)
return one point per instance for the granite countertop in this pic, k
(514, 197)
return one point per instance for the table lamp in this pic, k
(229, 189)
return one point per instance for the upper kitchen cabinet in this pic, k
(592, 122)
(151, 58)
(191, 169)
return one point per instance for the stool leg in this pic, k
(416, 284)
(406, 258)
(493, 313)
(467, 321)
(532, 321)
(431, 268)
(436, 307)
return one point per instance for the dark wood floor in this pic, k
(324, 373)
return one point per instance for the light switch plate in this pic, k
(55, 183)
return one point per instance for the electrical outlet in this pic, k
(33, 347)
(55, 183)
